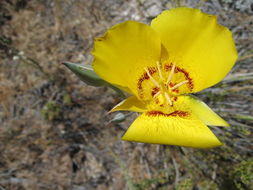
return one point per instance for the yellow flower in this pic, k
(183, 51)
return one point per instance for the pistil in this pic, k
(162, 85)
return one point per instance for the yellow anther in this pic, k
(151, 78)
(159, 70)
(171, 73)
(179, 84)
(167, 97)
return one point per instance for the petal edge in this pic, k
(197, 43)
(171, 130)
(130, 104)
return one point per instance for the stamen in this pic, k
(157, 94)
(159, 70)
(166, 95)
(151, 78)
(179, 84)
(171, 73)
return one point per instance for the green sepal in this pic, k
(118, 118)
(87, 75)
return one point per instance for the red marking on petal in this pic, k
(144, 77)
(168, 67)
(175, 113)
(187, 77)
(175, 98)
(174, 90)
(155, 90)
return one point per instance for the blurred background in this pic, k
(55, 131)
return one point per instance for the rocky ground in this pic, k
(55, 133)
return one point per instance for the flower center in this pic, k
(163, 87)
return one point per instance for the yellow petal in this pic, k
(196, 43)
(121, 55)
(130, 104)
(191, 105)
(171, 130)
(203, 112)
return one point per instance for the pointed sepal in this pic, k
(86, 74)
